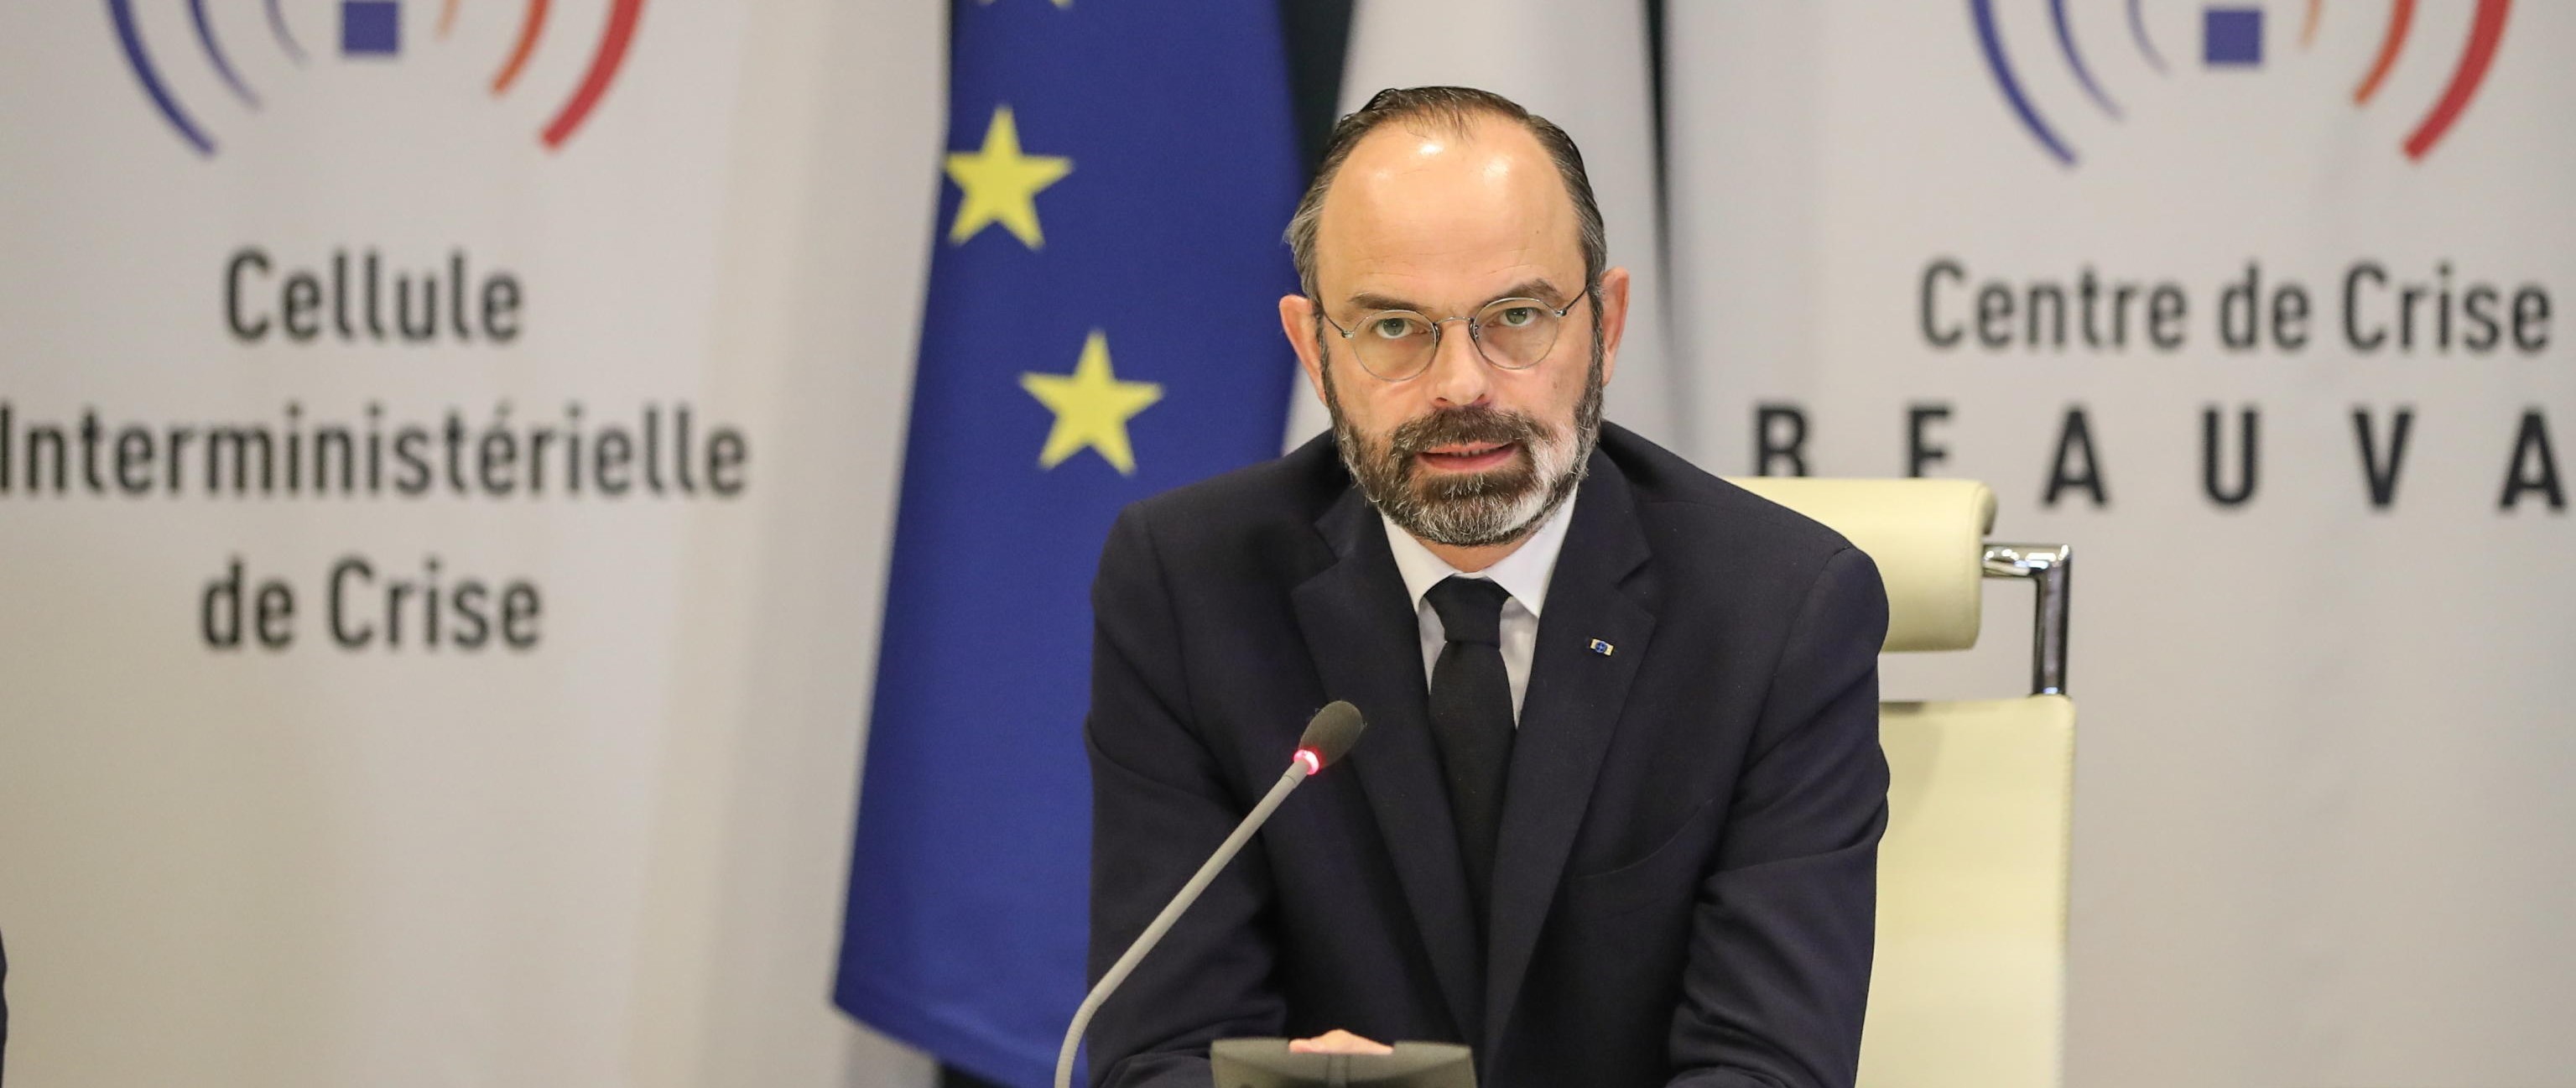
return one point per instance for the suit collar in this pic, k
(1365, 642)
(1589, 644)
(1361, 629)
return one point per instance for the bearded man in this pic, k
(1615, 821)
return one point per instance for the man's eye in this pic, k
(1392, 328)
(1516, 317)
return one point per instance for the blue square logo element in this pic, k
(2231, 37)
(370, 28)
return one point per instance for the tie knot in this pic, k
(1471, 609)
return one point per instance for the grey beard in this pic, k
(1489, 508)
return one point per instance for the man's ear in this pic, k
(1614, 318)
(1297, 322)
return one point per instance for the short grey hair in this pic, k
(1454, 110)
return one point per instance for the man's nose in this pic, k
(1458, 375)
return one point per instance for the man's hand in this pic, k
(1338, 1041)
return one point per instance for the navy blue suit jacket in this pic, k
(1685, 884)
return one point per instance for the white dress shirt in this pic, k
(1523, 574)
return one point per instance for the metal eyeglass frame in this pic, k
(1475, 332)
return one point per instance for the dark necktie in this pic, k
(1471, 720)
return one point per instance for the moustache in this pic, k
(1465, 426)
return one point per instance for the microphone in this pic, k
(1329, 735)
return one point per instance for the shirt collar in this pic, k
(1524, 574)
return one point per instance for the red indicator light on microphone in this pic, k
(1312, 761)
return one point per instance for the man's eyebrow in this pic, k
(1370, 300)
(1541, 289)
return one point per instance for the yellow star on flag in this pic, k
(1001, 185)
(1091, 408)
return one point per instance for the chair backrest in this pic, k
(1968, 987)
(1928, 538)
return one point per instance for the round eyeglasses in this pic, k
(1510, 333)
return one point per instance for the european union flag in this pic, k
(1101, 325)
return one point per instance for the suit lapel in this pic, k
(1367, 646)
(1568, 715)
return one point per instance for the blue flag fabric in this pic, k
(1101, 325)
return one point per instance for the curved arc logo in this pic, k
(372, 30)
(2232, 37)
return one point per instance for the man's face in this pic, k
(1465, 453)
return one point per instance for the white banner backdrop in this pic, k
(2323, 836)
(2320, 836)
(445, 453)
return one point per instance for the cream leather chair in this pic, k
(1968, 990)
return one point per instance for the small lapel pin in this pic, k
(1603, 648)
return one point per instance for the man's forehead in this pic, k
(1420, 211)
